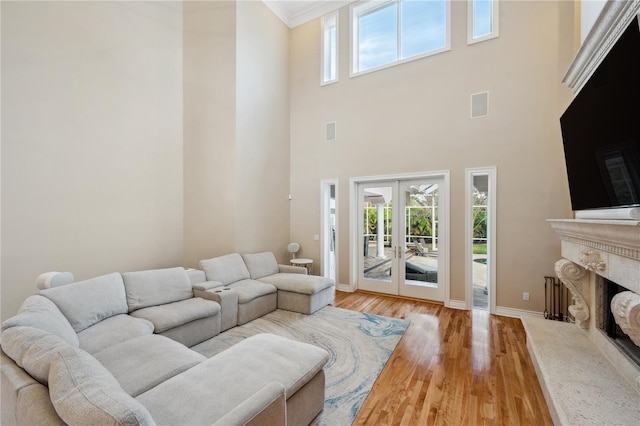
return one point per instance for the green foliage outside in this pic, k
(479, 249)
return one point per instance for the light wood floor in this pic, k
(451, 367)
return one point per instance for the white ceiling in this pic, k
(297, 12)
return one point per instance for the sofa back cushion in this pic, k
(196, 276)
(32, 349)
(225, 269)
(40, 312)
(156, 287)
(88, 302)
(84, 392)
(261, 264)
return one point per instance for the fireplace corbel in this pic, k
(575, 278)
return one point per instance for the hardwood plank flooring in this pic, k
(451, 367)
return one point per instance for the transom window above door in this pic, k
(386, 33)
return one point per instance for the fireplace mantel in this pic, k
(609, 248)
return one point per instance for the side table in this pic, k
(307, 263)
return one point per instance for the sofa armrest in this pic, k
(265, 407)
(290, 269)
(207, 285)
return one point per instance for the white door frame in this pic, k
(444, 236)
(492, 174)
(324, 208)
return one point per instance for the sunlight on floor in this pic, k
(480, 341)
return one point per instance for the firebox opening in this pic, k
(612, 329)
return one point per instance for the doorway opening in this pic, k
(480, 235)
(328, 228)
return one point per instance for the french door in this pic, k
(401, 245)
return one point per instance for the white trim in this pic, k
(517, 313)
(353, 222)
(324, 186)
(492, 176)
(323, 43)
(345, 287)
(458, 304)
(495, 22)
(305, 15)
(354, 42)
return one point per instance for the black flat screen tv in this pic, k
(601, 131)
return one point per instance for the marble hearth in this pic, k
(585, 377)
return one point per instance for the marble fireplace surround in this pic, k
(586, 379)
(600, 248)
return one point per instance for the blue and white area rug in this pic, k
(359, 344)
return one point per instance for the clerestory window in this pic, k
(386, 33)
(330, 48)
(482, 20)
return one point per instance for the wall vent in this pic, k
(331, 131)
(479, 104)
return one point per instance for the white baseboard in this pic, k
(517, 313)
(458, 304)
(344, 287)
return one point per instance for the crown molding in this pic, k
(611, 23)
(315, 10)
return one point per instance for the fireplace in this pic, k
(601, 259)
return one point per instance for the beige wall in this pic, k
(415, 118)
(209, 129)
(236, 130)
(91, 140)
(262, 129)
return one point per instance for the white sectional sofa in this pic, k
(115, 349)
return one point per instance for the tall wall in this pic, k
(209, 129)
(262, 131)
(416, 117)
(91, 140)
(236, 131)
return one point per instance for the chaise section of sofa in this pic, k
(255, 298)
(297, 291)
(257, 361)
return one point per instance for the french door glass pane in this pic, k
(421, 235)
(376, 233)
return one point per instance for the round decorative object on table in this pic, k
(307, 263)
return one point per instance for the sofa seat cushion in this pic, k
(85, 303)
(249, 290)
(225, 269)
(156, 287)
(261, 264)
(40, 312)
(112, 331)
(298, 283)
(83, 392)
(32, 349)
(171, 315)
(233, 376)
(142, 363)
